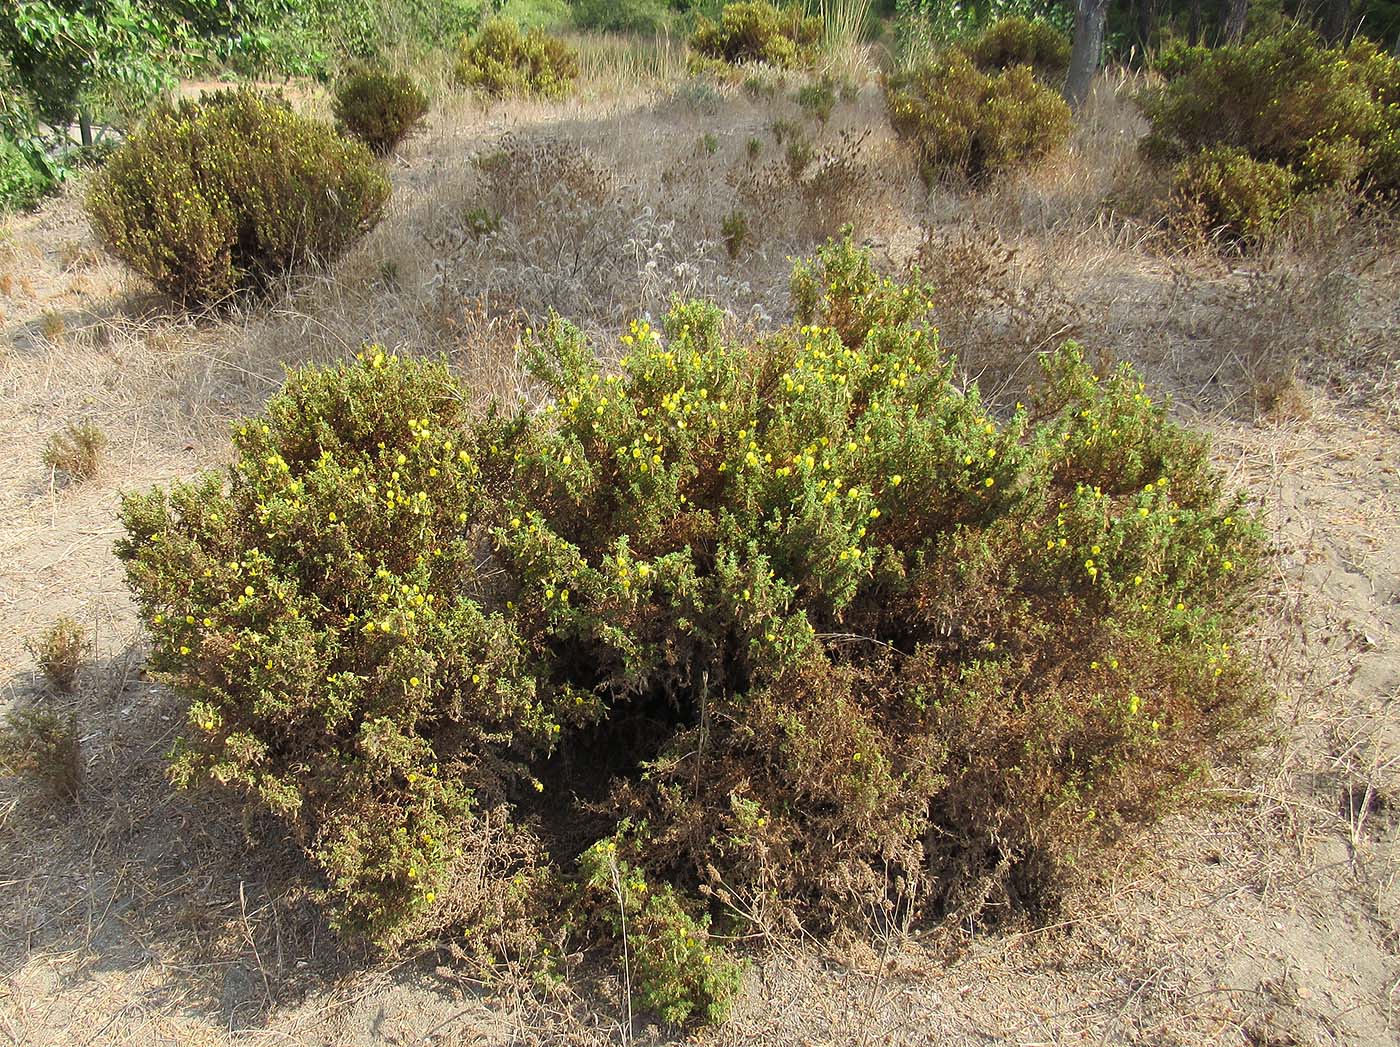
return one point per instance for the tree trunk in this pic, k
(85, 127)
(1146, 23)
(1087, 51)
(1193, 29)
(1336, 20)
(1232, 21)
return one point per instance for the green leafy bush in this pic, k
(230, 192)
(22, 184)
(1016, 41)
(959, 118)
(802, 622)
(678, 972)
(1224, 190)
(757, 31)
(1330, 116)
(622, 16)
(501, 60)
(379, 108)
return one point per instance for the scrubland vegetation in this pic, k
(665, 487)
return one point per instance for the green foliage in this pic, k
(960, 118)
(545, 15)
(734, 231)
(622, 16)
(839, 636)
(21, 182)
(378, 107)
(501, 61)
(1015, 40)
(1224, 189)
(59, 651)
(677, 973)
(42, 743)
(230, 192)
(758, 31)
(818, 98)
(1330, 116)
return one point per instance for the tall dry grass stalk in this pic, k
(616, 62)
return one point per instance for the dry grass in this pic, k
(144, 916)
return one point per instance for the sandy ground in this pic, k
(145, 916)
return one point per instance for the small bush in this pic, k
(818, 99)
(1223, 190)
(961, 119)
(734, 231)
(76, 451)
(1016, 41)
(378, 108)
(1329, 115)
(43, 744)
(757, 31)
(676, 972)
(59, 652)
(502, 61)
(799, 621)
(231, 192)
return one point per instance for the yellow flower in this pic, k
(896, 480)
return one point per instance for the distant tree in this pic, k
(1232, 19)
(65, 53)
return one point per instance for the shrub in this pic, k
(734, 231)
(1224, 190)
(59, 652)
(76, 450)
(678, 973)
(230, 192)
(1329, 115)
(378, 108)
(818, 98)
(21, 183)
(1016, 41)
(501, 60)
(800, 620)
(44, 744)
(757, 31)
(622, 16)
(959, 118)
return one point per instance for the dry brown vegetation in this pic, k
(141, 915)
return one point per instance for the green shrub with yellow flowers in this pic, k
(797, 624)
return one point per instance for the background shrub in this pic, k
(797, 620)
(379, 108)
(501, 60)
(42, 743)
(961, 119)
(230, 192)
(624, 16)
(21, 182)
(1016, 40)
(1225, 190)
(59, 650)
(757, 31)
(1331, 116)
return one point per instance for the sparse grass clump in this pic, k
(231, 192)
(379, 108)
(1260, 125)
(959, 118)
(42, 743)
(76, 451)
(734, 231)
(59, 650)
(798, 619)
(757, 31)
(818, 99)
(1015, 40)
(501, 60)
